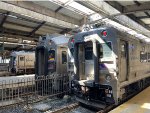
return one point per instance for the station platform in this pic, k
(138, 104)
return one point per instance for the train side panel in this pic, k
(23, 63)
(133, 56)
(121, 70)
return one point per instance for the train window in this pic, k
(148, 57)
(122, 48)
(21, 58)
(100, 48)
(64, 57)
(143, 56)
(107, 49)
(52, 55)
(72, 51)
(88, 53)
(109, 45)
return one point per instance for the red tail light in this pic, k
(72, 40)
(104, 33)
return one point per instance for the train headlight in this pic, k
(108, 78)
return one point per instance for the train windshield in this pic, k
(88, 53)
(52, 55)
(106, 49)
(72, 51)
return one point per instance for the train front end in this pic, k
(13, 63)
(51, 64)
(95, 67)
(45, 57)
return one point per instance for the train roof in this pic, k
(109, 28)
(57, 39)
(15, 53)
(95, 29)
(60, 40)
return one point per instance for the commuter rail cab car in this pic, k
(51, 55)
(51, 61)
(110, 65)
(22, 62)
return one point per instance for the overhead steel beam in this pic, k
(4, 19)
(20, 18)
(147, 14)
(16, 48)
(35, 11)
(18, 36)
(58, 9)
(137, 19)
(108, 11)
(142, 17)
(14, 41)
(31, 49)
(116, 5)
(16, 33)
(65, 31)
(137, 3)
(17, 24)
(35, 29)
(137, 8)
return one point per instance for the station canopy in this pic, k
(22, 22)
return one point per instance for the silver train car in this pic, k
(22, 62)
(110, 66)
(51, 55)
(51, 62)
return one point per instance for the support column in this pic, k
(76, 61)
(96, 62)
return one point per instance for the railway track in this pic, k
(65, 108)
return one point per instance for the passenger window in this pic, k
(64, 57)
(21, 58)
(123, 51)
(143, 56)
(148, 57)
(52, 55)
(88, 53)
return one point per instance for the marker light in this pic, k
(72, 40)
(104, 33)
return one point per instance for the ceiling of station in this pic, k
(137, 10)
(69, 13)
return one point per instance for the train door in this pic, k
(63, 60)
(89, 62)
(123, 60)
(51, 62)
(41, 65)
(21, 62)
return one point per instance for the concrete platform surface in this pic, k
(138, 104)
